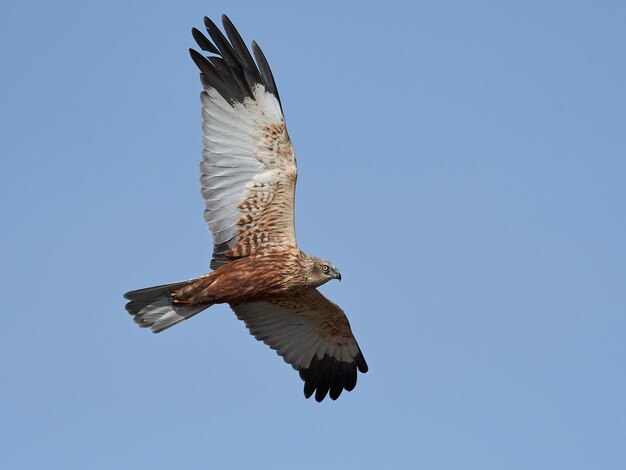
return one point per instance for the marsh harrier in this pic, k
(248, 178)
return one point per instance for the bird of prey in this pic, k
(248, 179)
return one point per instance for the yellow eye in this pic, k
(325, 268)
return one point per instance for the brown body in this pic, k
(253, 278)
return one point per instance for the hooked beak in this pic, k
(338, 276)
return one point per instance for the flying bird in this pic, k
(248, 179)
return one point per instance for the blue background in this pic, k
(462, 163)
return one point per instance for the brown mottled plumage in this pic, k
(248, 179)
(255, 277)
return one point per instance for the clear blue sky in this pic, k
(462, 163)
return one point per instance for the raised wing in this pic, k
(248, 163)
(313, 335)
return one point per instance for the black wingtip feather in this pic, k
(200, 61)
(266, 71)
(337, 384)
(239, 45)
(360, 363)
(329, 376)
(211, 77)
(203, 41)
(326, 378)
(225, 49)
(350, 376)
(243, 74)
(309, 388)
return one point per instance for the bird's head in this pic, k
(323, 271)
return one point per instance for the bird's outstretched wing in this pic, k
(248, 163)
(313, 335)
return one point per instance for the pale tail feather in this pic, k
(152, 307)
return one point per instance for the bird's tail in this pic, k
(153, 306)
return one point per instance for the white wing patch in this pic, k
(238, 162)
